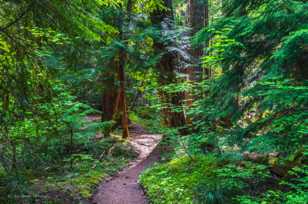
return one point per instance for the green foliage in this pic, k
(50, 64)
(76, 175)
(255, 100)
(57, 58)
(206, 179)
(89, 169)
(258, 97)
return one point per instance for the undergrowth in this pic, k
(208, 179)
(74, 179)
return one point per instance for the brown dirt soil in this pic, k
(123, 188)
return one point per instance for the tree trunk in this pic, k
(198, 18)
(109, 96)
(114, 101)
(162, 20)
(121, 72)
(122, 93)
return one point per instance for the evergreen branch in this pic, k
(16, 20)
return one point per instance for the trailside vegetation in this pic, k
(224, 81)
(248, 138)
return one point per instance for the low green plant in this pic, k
(205, 179)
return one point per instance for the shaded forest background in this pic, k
(225, 82)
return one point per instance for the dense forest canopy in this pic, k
(224, 81)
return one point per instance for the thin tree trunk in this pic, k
(115, 105)
(122, 93)
(122, 61)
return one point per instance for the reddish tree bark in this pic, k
(122, 95)
(115, 103)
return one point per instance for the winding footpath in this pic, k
(124, 188)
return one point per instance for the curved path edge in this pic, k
(123, 188)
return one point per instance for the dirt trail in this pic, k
(123, 188)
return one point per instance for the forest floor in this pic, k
(123, 188)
